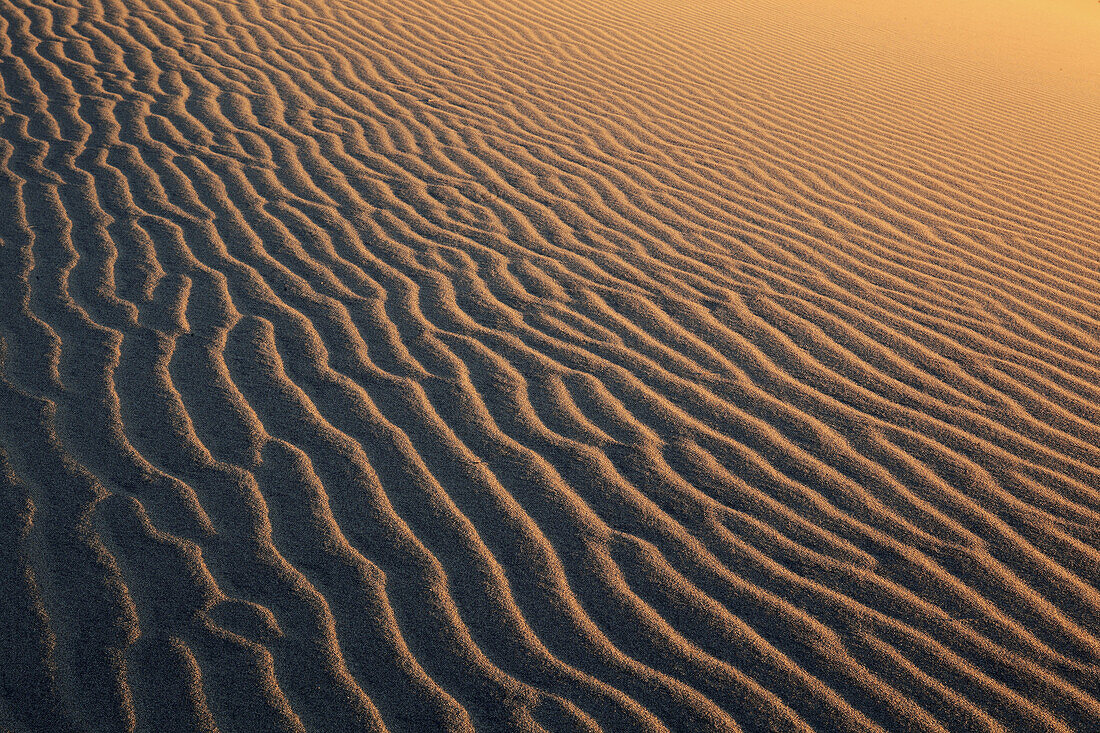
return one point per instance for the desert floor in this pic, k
(549, 365)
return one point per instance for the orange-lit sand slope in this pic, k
(552, 365)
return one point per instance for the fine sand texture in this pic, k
(549, 365)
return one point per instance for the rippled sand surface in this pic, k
(549, 365)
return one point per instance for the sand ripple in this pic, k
(545, 366)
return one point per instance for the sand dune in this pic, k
(549, 366)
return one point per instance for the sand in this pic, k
(551, 365)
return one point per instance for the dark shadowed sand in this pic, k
(551, 365)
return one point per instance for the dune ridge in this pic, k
(543, 366)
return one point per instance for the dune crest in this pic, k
(547, 366)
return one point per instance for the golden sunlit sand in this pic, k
(549, 365)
